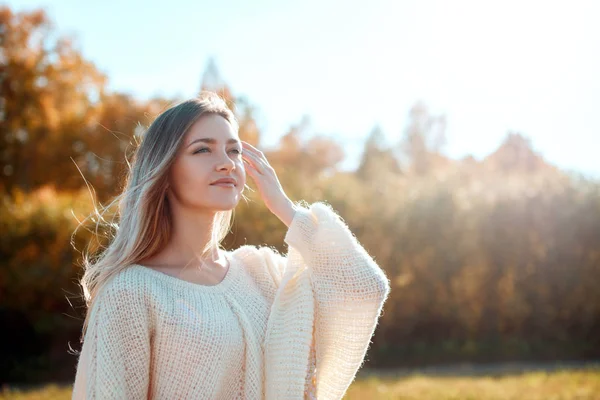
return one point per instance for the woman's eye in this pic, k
(201, 150)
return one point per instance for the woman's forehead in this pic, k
(211, 129)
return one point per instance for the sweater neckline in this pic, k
(220, 287)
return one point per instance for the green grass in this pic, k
(49, 392)
(563, 385)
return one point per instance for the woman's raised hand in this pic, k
(267, 183)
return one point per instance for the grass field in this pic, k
(555, 385)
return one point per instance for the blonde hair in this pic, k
(144, 226)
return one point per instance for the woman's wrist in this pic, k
(287, 212)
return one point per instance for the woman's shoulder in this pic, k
(127, 286)
(127, 279)
(263, 263)
(253, 256)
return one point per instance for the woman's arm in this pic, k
(338, 264)
(341, 268)
(346, 288)
(115, 358)
(327, 282)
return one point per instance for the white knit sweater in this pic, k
(253, 335)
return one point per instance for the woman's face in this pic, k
(211, 150)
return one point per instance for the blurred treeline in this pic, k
(493, 259)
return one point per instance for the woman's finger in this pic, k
(256, 176)
(250, 169)
(253, 150)
(261, 159)
(249, 164)
(254, 161)
(249, 146)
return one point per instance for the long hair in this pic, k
(144, 222)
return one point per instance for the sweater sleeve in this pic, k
(349, 291)
(341, 268)
(114, 362)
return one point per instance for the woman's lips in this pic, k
(226, 185)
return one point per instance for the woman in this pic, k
(172, 315)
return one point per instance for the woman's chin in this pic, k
(226, 204)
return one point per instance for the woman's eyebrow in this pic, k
(212, 141)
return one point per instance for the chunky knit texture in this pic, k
(276, 327)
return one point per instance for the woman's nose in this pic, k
(225, 162)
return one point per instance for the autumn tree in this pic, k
(48, 97)
(377, 160)
(423, 140)
(516, 154)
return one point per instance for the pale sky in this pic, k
(489, 66)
